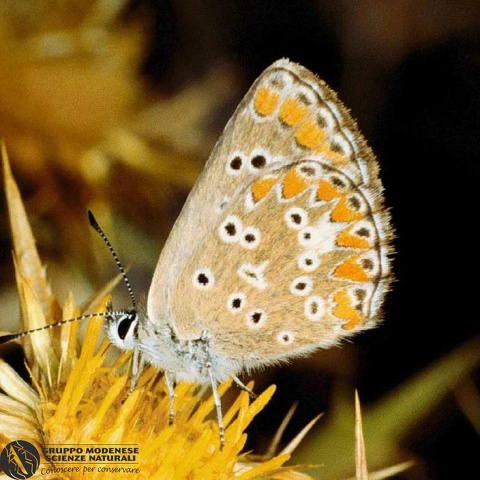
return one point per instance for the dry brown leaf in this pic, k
(360, 455)
(27, 259)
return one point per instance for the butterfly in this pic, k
(282, 246)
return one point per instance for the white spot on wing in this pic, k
(308, 261)
(285, 337)
(320, 237)
(230, 230)
(256, 318)
(221, 205)
(235, 164)
(314, 308)
(250, 238)
(296, 218)
(301, 286)
(203, 278)
(254, 274)
(236, 302)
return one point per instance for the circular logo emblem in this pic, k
(20, 459)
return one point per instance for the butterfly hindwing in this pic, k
(296, 269)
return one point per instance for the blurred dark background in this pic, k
(120, 118)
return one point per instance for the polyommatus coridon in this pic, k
(281, 248)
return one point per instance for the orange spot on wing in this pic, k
(293, 184)
(326, 191)
(262, 187)
(350, 269)
(344, 212)
(310, 135)
(345, 310)
(292, 113)
(347, 239)
(265, 101)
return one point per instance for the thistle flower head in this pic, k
(79, 395)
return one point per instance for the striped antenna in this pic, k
(15, 336)
(96, 226)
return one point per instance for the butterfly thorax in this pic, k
(159, 345)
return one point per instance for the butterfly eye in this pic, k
(203, 279)
(124, 325)
(122, 329)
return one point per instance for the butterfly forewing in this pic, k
(283, 244)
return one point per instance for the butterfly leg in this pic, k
(244, 387)
(218, 406)
(171, 395)
(137, 367)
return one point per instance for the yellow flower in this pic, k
(92, 407)
(80, 395)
